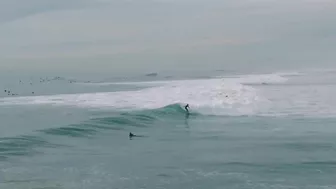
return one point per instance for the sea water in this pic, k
(267, 130)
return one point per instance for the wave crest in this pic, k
(217, 96)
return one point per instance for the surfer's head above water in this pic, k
(131, 135)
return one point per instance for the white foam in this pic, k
(208, 96)
(144, 84)
(217, 96)
(211, 96)
(260, 79)
(284, 74)
(302, 100)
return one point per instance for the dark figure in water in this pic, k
(131, 135)
(186, 107)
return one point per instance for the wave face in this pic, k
(217, 96)
(29, 145)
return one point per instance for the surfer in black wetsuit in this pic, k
(131, 135)
(186, 108)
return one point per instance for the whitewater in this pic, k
(222, 95)
(267, 130)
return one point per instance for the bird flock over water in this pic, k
(11, 92)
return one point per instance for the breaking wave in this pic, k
(216, 96)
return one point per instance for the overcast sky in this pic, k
(103, 35)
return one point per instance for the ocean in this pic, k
(273, 130)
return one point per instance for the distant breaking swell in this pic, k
(26, 145)
(217, 96)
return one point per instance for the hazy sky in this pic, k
(120, 35)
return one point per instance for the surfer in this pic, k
(131, 135)
(186, 107)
